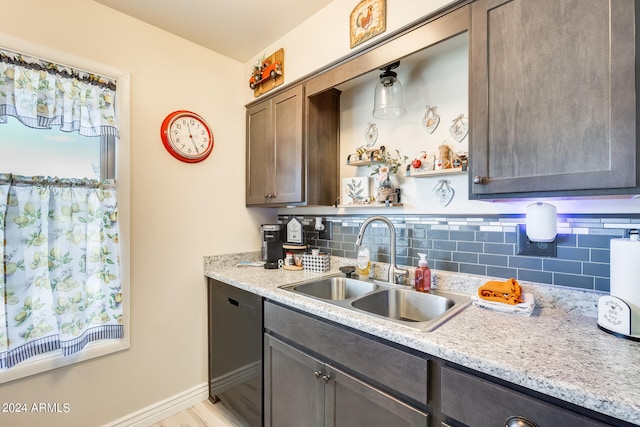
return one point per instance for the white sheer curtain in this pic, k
(42, 94)
(59, 243)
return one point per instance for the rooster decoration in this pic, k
(367, 19)
(364, 21)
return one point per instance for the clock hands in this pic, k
(191, 138)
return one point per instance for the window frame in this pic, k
(115, 164)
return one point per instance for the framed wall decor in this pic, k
(356, 190)
(267, 73)
(368, 19)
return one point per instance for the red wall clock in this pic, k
(186, 136)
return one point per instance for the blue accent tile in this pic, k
(489, 236)
(465, 257)
(593, 241)
(497, 260)
(595, 269)
(447, 245)
(566, 240)
(535, 276)
(418, 233)
(511, 238)
(505, 273)
(603, 284)
(470, 247)
(600, 255)
(446, 265)
(468, 236)
(438, 234)
(525, 262)
(576, 254)
(473, 269)
(561, 266)
(499, 248)
(421, 244)
(573, 280)
(440, 255)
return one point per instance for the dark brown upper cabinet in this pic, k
(552, 98)
(292, 149)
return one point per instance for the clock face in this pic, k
(187, 136)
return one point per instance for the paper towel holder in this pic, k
(537, 237)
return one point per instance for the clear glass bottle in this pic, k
(423, 275)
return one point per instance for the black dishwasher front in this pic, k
(235, 350)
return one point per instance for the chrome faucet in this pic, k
(396, 275)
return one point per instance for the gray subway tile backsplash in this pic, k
(484, 245)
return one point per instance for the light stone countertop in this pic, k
(558, 351)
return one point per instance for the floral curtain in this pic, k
(42, 94)
(61, 281)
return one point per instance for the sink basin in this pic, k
(395, 303)
(404, 304)
(335, 288)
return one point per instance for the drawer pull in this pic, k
(325, 378)
(479, 179)
(519, 422)
(233, 302)
(317, 374)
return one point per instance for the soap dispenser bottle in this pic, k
(423, 275)
(363, 263)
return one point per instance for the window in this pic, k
(52, 152)
(36, 146)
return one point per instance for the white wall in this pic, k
(178, 212)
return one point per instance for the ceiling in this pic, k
(238, 29)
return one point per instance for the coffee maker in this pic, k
(271, 239)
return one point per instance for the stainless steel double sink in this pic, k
(395, 303)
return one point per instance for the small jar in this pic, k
(288, 259)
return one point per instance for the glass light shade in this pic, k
(388, 101)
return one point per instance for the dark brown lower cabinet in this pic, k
(473, 401)
(304, 391)
(305, 386)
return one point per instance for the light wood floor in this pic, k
(203, 414)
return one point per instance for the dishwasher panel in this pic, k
(235, 350)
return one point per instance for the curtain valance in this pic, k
(41, 94)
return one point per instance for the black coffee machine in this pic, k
(271, 239)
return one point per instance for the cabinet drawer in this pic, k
(389, 367)
(477, 402)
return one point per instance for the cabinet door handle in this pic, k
(519, 422)
(325, 378)
(478, 179)
(317, 374)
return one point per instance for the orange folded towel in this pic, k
(508, 292)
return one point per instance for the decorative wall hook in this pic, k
(431, 119)
(444, 192)
(459, 128)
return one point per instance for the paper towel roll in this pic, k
(541, 222)
(625, 276)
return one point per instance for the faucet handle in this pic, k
(400, 276)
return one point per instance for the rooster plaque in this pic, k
(368, 19)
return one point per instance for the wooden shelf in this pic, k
(363, 160)
(422, 174)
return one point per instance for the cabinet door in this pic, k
(293, 387)
(552, 96)
(288, 173)
(260, 154)
(350, 402)
(479, 403)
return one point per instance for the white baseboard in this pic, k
(163, 409)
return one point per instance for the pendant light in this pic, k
(388, 101)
